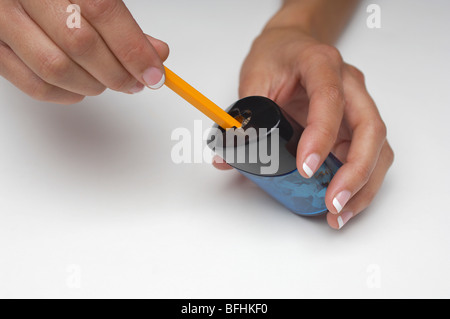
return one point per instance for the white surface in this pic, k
(89, 192)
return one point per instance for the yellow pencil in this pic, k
(201, 102)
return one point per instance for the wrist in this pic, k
(293, 14)
(321, 19)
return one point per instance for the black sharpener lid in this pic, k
(266, 145)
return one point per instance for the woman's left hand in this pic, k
(328, 97)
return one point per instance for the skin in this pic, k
(294, 63)
(51, 62)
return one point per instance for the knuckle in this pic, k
(11, 12)
(81, 41)
(54, 67)
(121, 83)
(381, 129)
(41, 91)
(325, 133)
(333, 94)
(390, 155)
(369, 196)
(97, 9)
(357, 73)
(378, 129)
(136, 52)
(329, 52)
(362, 172)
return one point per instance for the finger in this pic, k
(161, 47)
(121, 33)
(254, 82)
(257, 75)
(16, 72)
(369, 135)
(83, 45)
(366, 195)
(323, 82)
(219, 163)
(42, 56)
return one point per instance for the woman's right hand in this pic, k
(49, 61)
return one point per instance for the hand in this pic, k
(329, 98)
(49, 61)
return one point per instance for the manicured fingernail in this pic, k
(218, 160)
(344, 218)
(154, 78)
(138, 87)
(340, 200)
(311, 164)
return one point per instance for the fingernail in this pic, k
(218, 160)
(311, 164)
(138, 87)
(154, 78)
(340, 200)
(344, 218)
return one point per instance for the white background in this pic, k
(91, 204)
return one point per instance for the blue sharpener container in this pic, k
(277, 134)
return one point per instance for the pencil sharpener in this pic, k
(264, 150)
